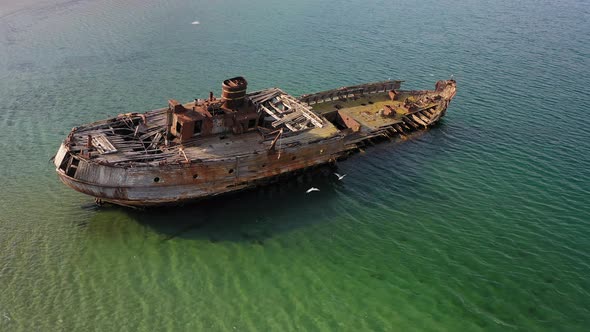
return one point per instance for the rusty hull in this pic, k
(148, 166)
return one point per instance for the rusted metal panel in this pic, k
(350, 122)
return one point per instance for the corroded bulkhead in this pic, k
(244, 139)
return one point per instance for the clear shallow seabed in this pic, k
(481, 223)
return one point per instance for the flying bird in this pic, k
(311, 189)
(340, 177)
(195, 22)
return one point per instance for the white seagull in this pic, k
(340, 177)
(311, 189)
(195, 22)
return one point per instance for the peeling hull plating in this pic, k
(213, 146)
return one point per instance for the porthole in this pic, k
(293, 158)
(231, 170)
(156, 179)
(195, 176)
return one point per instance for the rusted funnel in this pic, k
(233, 92)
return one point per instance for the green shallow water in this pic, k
(481, 223)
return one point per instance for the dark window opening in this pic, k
(64, 162)
(251, 123)
(71, 171)
(215, 110)
(178, 128)
(198, 127)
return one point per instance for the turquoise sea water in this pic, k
(482, 223)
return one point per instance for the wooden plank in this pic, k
(264, 95)
(269, 112)
(103, 145)
(286, 111)
(287, 118)
(423, 117)
(155, 141)
(293, 103)
(418, 120)
(313, 118)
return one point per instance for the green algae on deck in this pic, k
(330, 106)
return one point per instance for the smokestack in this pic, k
(233, 92)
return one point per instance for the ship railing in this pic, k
(350, 91)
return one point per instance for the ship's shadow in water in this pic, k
(247, 216)
(258, 214)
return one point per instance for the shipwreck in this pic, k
(241, 140)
